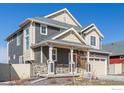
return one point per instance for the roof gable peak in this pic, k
(67, 11)
(92, 26)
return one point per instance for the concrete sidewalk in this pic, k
(112, 77)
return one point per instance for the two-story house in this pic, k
(59, 44)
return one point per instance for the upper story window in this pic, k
(27, 32)
(20, 59)
(27, 38)
(43, 30)
(18, 39)
(93, 40)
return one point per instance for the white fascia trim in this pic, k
(55, 13)
(87, 27)
(94, 26)
(65, 9)
(71, 29)
(28, 19)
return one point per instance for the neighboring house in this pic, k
(116, 64)
(59, 44)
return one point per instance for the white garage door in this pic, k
(99, 67)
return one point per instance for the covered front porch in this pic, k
(63, 53)
(63, 59)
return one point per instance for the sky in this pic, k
(109, 18)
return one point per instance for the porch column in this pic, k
(41, 55)
(51, 64)
(88, 59)
(88, 56)
(71, 60)
(50, 53)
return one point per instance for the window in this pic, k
(8, 58)
(27, 32)
(54, 54)
(88, 68)
(121, 57)
(14, 56)
(27, 38)
(102, 59)
(96, 59)
(18, 39)
(20, 59)
(43, 30)
(93, 40)
(27, 42)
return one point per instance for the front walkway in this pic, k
(112, 77)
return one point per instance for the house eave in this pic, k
(92, 27)
(12, 34)
(55, 42)
(100, 51)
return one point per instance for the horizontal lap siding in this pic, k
(39, 37)
(15, 50)
(37, 53)
(62, 55)
(45, 54)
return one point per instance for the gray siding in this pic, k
(37, 52)
(15, 50)
(45, 54)
(62, 55)
(39, 37)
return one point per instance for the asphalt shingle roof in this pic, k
(116, 48)
(54, 22)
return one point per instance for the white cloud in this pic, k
(3, 55)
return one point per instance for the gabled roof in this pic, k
(55, 23)
(62, 10)
(90, 27)
(116, 48)
(56, 35)
(74, 31)
(47, 21)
